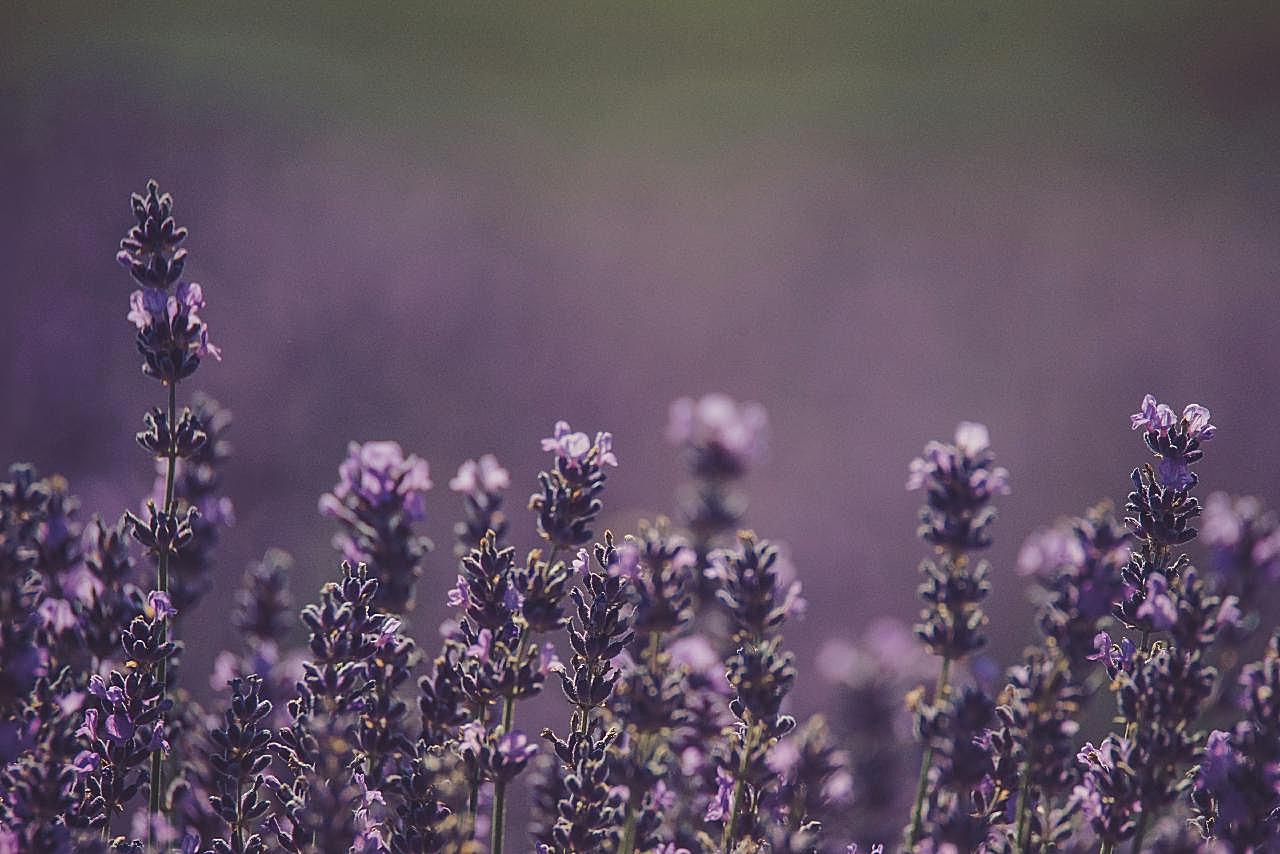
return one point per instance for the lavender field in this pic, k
(689, 429)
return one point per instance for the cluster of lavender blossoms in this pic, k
(335, 730)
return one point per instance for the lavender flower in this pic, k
(603, 630)
(568, 500)
(1175, 441)
(761, 675)
(1243, 538)
(316, 749)
(1243, 541)
(589, 809)
(649, 699)
(1079, 565)
(1160, 687)
(1236, 790)
(815, 786)
(955, 729)
(870, 677)
(242, 757)
(959, 480)
(198, 484)
(423, 823)
(721, 438)
(172, 337)
(591, 812)
(380, 494)
(481, 483)
(124, 723)
(1032, 749)
(493, 755)
(40, 790)
(151, 250)
(1108, 794)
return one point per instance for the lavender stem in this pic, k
(926, 762)
(162, 582)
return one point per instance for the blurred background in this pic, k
(453, 225)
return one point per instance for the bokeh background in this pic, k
(452, 225)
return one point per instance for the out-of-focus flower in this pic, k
(476, 477)
(378, 474)
(722, 437)
(380, 493)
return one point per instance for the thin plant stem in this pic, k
(499, 816)
(498, 832)
(162, 583)
(739, 788)
(926, 762)
(1132, 726)
(629, 826)
(643, 748)
(1022, 819)
(496, 840)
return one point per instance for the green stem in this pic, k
(473, 805)
(498, 832)
(499, 816)
(238, 830)
(926, 762)
(1129, 729)
(162, 583)
(1022, 821)
(629, 825)
(1106, 848)
(642, 750)
(739, 787)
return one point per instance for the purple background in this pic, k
(454, 228)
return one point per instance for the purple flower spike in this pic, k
(479, 477)
(1176, 441)
(380, 493)
(379, 473)
(721, 437)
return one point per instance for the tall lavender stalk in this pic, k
(720, 440)
(173, 339)
(659, 567)
(590, 812)
(1162, 682)
(959, 480)
(761, 674)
